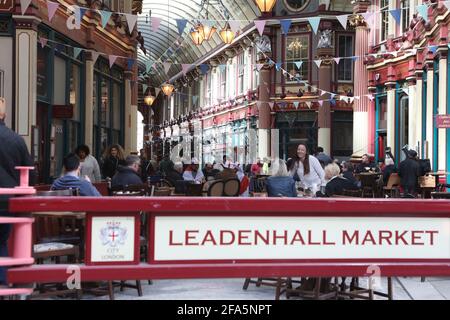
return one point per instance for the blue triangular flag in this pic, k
(423, 11)
(76, 52)
(314, 22)
(278, 66)
(130, 63)
(285, 25)
(354, 58)
(433, 48)
(106, 15)
(296, 103)
(83, 12)
(181, 25)
(204, 68)
(298, 64)
(396, 14)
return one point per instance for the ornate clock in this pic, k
(296, 5)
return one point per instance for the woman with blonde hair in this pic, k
(336, 183)
(280, 183)
(112, 158)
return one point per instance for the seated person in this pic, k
(71, 179)
(128, 175)
(209, 172)
(175, 173)
(388, 169)
(280, 183)
(336, 183)
(366, 165)
(347, 172)
(192, 172)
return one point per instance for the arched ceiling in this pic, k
(166, 45)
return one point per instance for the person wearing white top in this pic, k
(309, 170)
(193, 173)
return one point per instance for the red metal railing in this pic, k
(206, 207)
(22, 232)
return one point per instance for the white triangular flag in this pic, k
(167, 66)
(447, 4)
(271, 105)
(24, 4)
(157, 91)
(112, 60)
(95, 56)
(131, 20)
(234, 26)
(308, 103)
(337, 60)
(318, 63)
(343, 20)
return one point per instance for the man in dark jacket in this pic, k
(175, 174)
(409, 172)
(71, 179)
(13, 152)
(129, 175)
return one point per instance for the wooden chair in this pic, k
(165, 184)
(368, 184)
(137, 190)
(314, 288)
(231, 187)
(392, 189)
(216, 189)
(280, 284)
(427, 184)
(162, 192)
(356, 292)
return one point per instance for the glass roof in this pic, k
(166, 44)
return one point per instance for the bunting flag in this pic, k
(167, 67)
(204, 68)
(285, 25)
(148, 65)
(433, 49)
(83, 12)
(271, 104)
(156, 22)
(157, 91)
(367, 16)
(423, 11)
(337, 60)
(259, 66)
(112, 60)
(371, 97)
(144, 88)
(130, 63)
(278, 66)
(181, 25)
(235, 26)
(320, 103)
(333, 95)
(24, 4)
(396, 14)
(76, 52)
(43, 42)
(308, 104)
(314, 22)
(343, 20)
(354, 58)
(194, 100)
(298, 64)
(318, 63)
(131, 21)
(185, 68)
(106, 15)
(95, 56)
(260, 25)
(51, 8)
(296, 103)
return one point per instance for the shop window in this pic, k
(342, 133)
(345, 66)
(297, 49)
(60, 81)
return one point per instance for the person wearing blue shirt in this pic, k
(71, 179)
(280, 184)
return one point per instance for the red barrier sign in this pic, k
(443, 121)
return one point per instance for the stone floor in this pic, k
(231, 289)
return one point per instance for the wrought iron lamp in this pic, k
(265, 5)
(226, 34)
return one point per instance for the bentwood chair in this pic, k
(231, 187)
(216, 189)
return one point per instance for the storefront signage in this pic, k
(299, 238)
(6, 5)
(443, 121)
(112, 239)
(63, 111)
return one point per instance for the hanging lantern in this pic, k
(197, 35)
(149, 100)
(227, 34)
(167, 88)
(265, 5)
(207, 31)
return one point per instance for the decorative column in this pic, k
(89, 101)
(324, 119)
(417, 139)
(361, 122)
(391, 93)
(130, 117)
(25, 75)
(265, 124)
(442, 108)
(428, 145)
(412, 105)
